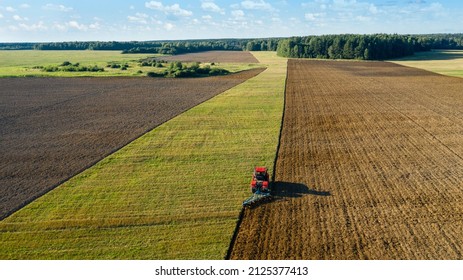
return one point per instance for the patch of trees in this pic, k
(381, 46)
(180, 70)
(440, 41)
(70, 67)
(365, 47)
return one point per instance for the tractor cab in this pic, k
(260, 187)
(260, 180)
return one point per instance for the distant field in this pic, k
(446, 62)
(174, 193)
(24, 63)
(214, 56)
(19, 63)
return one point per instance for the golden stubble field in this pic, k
(370, 166)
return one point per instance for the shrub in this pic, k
(154, 74)
(218, 71)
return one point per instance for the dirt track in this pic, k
(52, 128)
(370, 167)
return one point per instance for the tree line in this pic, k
(345, 46)
(166, 47)
(365, 47)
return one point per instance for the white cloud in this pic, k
(169, 26)
(174, 9)
(59, 26)
(25, 6)
(75, 25)
(315, 17)
(212, 7)
(10, 9)
(94, 26)
(54, 7)
(40, 26)
(362, 18)
(256, 5)
(18, 18)
(373, 9)
(139, 18)
(238, 15)
(1, 16)
(206, 17)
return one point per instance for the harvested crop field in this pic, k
(53, 128)
(213, 56)
(370, 166)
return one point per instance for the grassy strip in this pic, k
(445, 62)
(174, 193)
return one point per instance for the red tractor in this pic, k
(260, 180)
(260, 186)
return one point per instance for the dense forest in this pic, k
(365, 47)
(345, 46)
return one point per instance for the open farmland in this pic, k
(174, 193)
(370, 166)
(23, 63)
(445, 62)
(213, 56)
(52, 128)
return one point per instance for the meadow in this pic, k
(445, 62)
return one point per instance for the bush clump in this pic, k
(69, 67)
(179, 70)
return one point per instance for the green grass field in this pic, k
(174, 193)
(22, 63)
(445, 62)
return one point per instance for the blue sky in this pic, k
(106, 20)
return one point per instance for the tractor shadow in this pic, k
(282, 191)
(294, 190)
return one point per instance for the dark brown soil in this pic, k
(53, 128)
(213, 56)
(370, 166)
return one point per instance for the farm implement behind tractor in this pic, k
(260, 186)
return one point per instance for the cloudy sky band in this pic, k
(65, 20)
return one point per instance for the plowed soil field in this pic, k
(53, 128)
(370, 166)
(213, 56)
